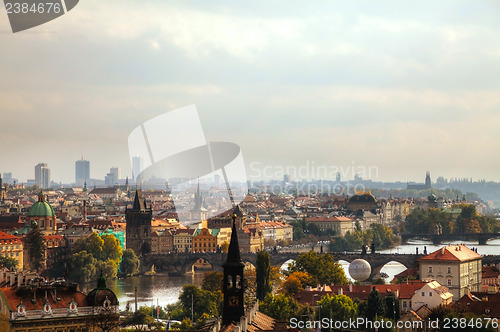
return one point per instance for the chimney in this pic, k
(350, 287)
(243, 323)
(396, 293)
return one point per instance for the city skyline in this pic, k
(402, 87)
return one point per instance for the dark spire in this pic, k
(233, 252)
(101, 282)
(139, 203)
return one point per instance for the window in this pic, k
(449, 269)
(404, 304)
(449, 282)
(430, 269)
(430, 294)
(423, 293)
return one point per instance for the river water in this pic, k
(163, 289)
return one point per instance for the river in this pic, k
(163, 289)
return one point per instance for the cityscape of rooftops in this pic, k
(249, 166)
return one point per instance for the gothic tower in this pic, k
(428, 180)
(139, 225)
(233, 288)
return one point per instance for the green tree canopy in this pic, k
(111, 248)
(263, 271)
(279, 306)
(201, 301)
(83, 266)
(375, 306)
(130, 263)
(35, 243)
(323, 268)
(8, 262)
(212, 281)
(338, 307)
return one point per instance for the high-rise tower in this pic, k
(82, 171)
(42, 175)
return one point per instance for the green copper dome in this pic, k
(41, 208)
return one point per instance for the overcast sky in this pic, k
(401, 86)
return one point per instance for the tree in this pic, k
(83, 266)
(36, 247)
(212, 281)
(141, 319)
(93, 245)
(130, 263)
(338, 308)
(323, 268)
(109, 269)
(375, 306)
(263, 275)
(111, 248)
(8, 262)
(199, 300)
(296, 282)
(279, 306)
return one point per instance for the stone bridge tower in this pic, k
(139, 225)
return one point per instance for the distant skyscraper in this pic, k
(116, 172)
(112, 177)
(82, 171)
(7, 178)
(42, 175)
(136, 167)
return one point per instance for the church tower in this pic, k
(139, 225)
(428, 180)
(233, 288)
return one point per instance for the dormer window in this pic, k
(107, 303)
(47, 309)
(73, 307)
(21, 310)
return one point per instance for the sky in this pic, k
(399, 87)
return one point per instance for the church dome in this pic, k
(41, 208)
(102, 296)
(363, 198)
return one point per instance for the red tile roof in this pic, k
(8, 238)
(14, 296)
(490, 272)
(459, 253)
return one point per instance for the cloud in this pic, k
(408, 87)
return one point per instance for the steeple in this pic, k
(139, 202)
(101, 282)
(233, 252)
(233, 288)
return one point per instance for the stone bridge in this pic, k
(481, 238)
(180, 263)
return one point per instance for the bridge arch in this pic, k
(376, 272)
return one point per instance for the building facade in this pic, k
(456, 267)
